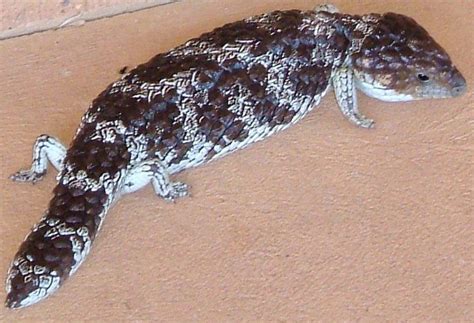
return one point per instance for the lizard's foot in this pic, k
(27, 176)
(361, 121)
(177, 190)
(153, 171)
(46, 148)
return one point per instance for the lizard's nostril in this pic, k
(458, 83)
(459, 90)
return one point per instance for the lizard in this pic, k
(206, 98)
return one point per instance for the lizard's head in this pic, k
(400, 61)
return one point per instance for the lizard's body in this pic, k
(200, 101)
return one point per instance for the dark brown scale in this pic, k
(97, 157)
(70, 211)
(54, 252)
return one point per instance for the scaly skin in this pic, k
(213, 95)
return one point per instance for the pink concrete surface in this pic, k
(324, 221)
(29, 16)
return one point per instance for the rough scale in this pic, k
(213, 95)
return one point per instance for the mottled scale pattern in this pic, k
(225, 89)
(202, 100)
(386, 50)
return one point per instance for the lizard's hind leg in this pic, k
(45, 148)
(154, 172)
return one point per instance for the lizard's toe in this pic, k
(178, 190)
(26, 176)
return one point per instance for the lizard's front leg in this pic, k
(346, 96)
(154, 172)
(45, 148)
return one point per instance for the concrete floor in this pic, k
(25, 17)
(322, 222)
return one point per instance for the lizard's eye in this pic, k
(423, 77)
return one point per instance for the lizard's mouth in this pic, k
(445, 86)
(377, 91)
(400, 90)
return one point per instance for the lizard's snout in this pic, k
(458, 83)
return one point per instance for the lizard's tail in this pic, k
(57, 245)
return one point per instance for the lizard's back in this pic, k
(223, 90)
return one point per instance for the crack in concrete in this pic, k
(78, 19)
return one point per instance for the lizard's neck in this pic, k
(357, 28)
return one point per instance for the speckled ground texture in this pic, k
(324, 221)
